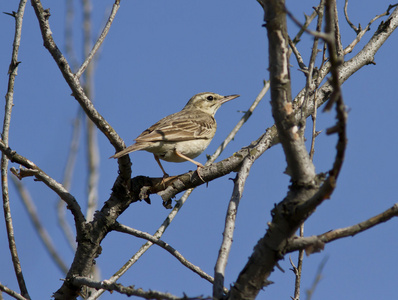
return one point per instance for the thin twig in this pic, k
(309, 84)
(362, 32)
(320, 35)
(144, 235)
(299, 269)
(12, 71)
(12, 293)
(308, 20)
(316, 243)
(309, 87)
(298, 56)
(340, 128)
(67, 179)
(100, 40)
(91, 135)
(315, 112)
(225, 248)
(129, 291)
(158, 234)
(69, 23)
(317, 278)
(356, 29)
(74, 84)
(33, 170)
(40, 229)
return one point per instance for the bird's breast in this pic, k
(192, 148)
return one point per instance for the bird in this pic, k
(184, 135)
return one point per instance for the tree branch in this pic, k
(144, 235)
(129, 291)
(359, 31)
(67, 179)
(33, 170)
(41, 230)
(100, 39)
(225, 248)
(301, 199)
(77, 90)
(12, 71)
(317, 243)
(12, 293)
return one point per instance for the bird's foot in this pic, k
(197, 171)
(165, 176)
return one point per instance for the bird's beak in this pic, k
(228, 98)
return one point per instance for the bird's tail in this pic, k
(127, 150)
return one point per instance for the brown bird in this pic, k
(184, 135)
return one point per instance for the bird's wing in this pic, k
(181, 126)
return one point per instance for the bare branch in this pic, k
(146, 246)
(67, 179)
(317, 278)
(317, 34)
(300, 168)
(129, 291)
(12, 293)
(298, 270)
(308, 20)
(225, 248)
(40, 229)
(298, 56)
(100, 40)
(270, 138)
(309, 84)
(91, 135)
(286, 216)
(361, 32)
(69, 22)
(73, 82)
(356, 29)
(316, 243)
(340, 128)
(140, 234)
(12, 71)
(33, 170)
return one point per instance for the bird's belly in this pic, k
(166, 151)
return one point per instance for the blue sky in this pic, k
(156, 56)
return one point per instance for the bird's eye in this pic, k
(210, 98)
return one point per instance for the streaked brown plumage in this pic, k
(183, 135)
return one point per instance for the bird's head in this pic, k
(208, 102)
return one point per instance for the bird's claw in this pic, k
(197, 171)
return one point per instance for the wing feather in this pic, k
(181, 126)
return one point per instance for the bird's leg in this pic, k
(192, 161)
(165, 175)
